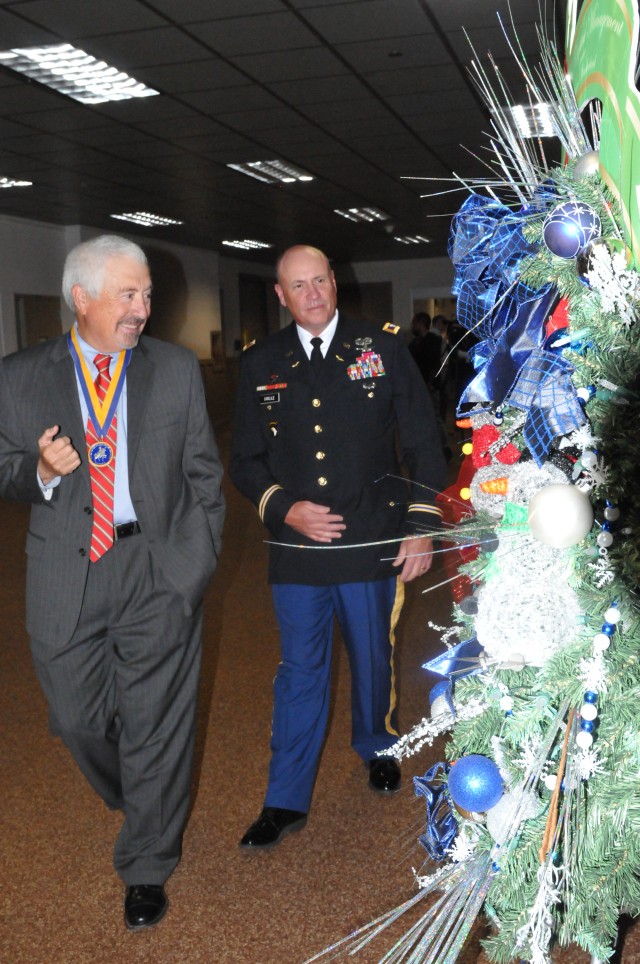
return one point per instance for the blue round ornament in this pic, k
(570, 227)
(475, 783)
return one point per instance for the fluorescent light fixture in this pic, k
(411, 239)
(145, 219)
(272, 172)
(532, 120)
(247, 245)
(11, 182)
(74, 73)
(362, 214)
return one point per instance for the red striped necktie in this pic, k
(102, 469)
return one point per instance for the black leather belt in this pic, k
(125, 529)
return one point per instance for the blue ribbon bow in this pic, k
(442, 827)
(487, 247)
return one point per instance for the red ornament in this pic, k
(483, 438)
(559, 318)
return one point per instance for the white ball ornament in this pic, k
(560, 516)
(588, 711)
(612, 615)
(604, 539)
(584, 740)
(601, 642)
(550, 781)
(612, 513)
(589, 459)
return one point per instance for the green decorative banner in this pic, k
(601, 54)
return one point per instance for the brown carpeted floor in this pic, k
(61, 901)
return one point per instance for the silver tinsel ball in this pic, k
(587, 164)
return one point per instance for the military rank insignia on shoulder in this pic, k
(392, 329)
(249, 345)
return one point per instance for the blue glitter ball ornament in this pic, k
(475, 783)
(570, 227)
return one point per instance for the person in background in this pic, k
(426, 347)
(106, 434)
(319, 407)
(440, 329)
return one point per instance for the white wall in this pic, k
(186, 292)
(31, 264)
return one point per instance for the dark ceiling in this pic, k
(362, 94)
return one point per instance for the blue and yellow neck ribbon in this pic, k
(100, 413)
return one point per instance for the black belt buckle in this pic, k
(124, 529)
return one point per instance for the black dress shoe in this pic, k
(384, 774)
(144, 905)
(271, 826)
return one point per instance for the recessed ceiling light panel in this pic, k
(411, 239)
(74, 73)
(272, 172)
(11, 182)
(247, 245)
(145, 219)
(367, 214)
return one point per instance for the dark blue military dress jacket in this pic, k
(335, 439)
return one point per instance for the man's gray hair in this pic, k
(86, 262)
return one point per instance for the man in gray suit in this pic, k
(123, 538)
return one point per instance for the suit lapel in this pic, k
(65, 391)
(139, 377)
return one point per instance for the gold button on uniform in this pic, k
(316, 403)
(322, 480)
(320, 456)
(317, 429)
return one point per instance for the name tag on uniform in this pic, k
(268, 398)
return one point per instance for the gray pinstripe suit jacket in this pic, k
(174, 474)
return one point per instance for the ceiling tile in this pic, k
(73, 19)
(369, 20)
(288, 65)
(144, 48)
(216, 102)
(389, 53)
(188, 11)
(207, 74)
(260, 33)
(320, 90)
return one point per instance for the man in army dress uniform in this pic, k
(320, 406)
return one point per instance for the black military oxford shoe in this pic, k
(384, 775)
(271, 826)
(144, 905)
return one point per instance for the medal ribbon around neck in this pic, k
(101, 414)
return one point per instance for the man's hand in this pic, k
(415, 556)
(56, 457)
(315, 521)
